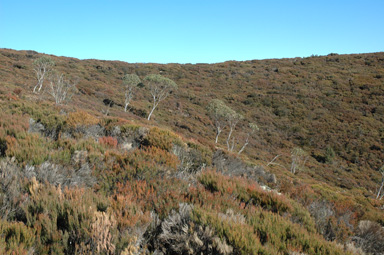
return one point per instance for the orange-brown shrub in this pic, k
(17, 91)
(16, 238)
(245, 191)
(31, 149)
(108, 141)
(81, 118)
(162, 139)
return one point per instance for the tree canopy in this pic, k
(160, 88)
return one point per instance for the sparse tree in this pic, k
(253, 128)
(299, 158)
(232, 118)
(380, 193)
(42, 67)
(218, 112)
(60, 88)
(130, 81)
(160, 88)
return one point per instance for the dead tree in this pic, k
(61, 88)
(42, 67)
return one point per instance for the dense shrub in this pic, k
(179, 234)
(81, 118)
(370, 237)
(67, 221)
(11, 189)
(61, 175)
(30, 149)
(108, 141)
(3, 147)
(322, 104)
(16, 238)
(139, 164)
(162, 139)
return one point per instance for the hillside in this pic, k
(86, 177)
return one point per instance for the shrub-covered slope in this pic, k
(87, 177)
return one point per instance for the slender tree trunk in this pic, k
(39, 84)
(153, 108)
(218, 131)
(126, 107)
(40, 79)
(150, 114)
(217, 137)
(245, 145)
(381, 187)
(233, 143)
(229, 137)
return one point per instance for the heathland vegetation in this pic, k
(280, 156)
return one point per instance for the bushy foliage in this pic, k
(11, 189)
(370, 237)
(16, 238)
(64, 219)
(81, 118)
(146, 163)
(60, 175)
(108, 141)
(248, 192)
(162, 139)
(178, 234)
(72, 182)
(30, 148)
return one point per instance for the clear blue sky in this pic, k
(187, 31)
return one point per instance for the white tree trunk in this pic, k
(217, 135)
(153, 108)
(379, 192)
(150, 114)
(40, 81)
(229, 137)
(245, 145)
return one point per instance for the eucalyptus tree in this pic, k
(218, 112)
(160, 88)
(42, 67)
(130, 82)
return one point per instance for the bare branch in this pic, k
(60, 88)
(271, 162)
(42, 67)
(253, 128)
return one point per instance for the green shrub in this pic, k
(16, 238)
(162, 139)
(81, 118)
(31, 149)
(62, 218)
